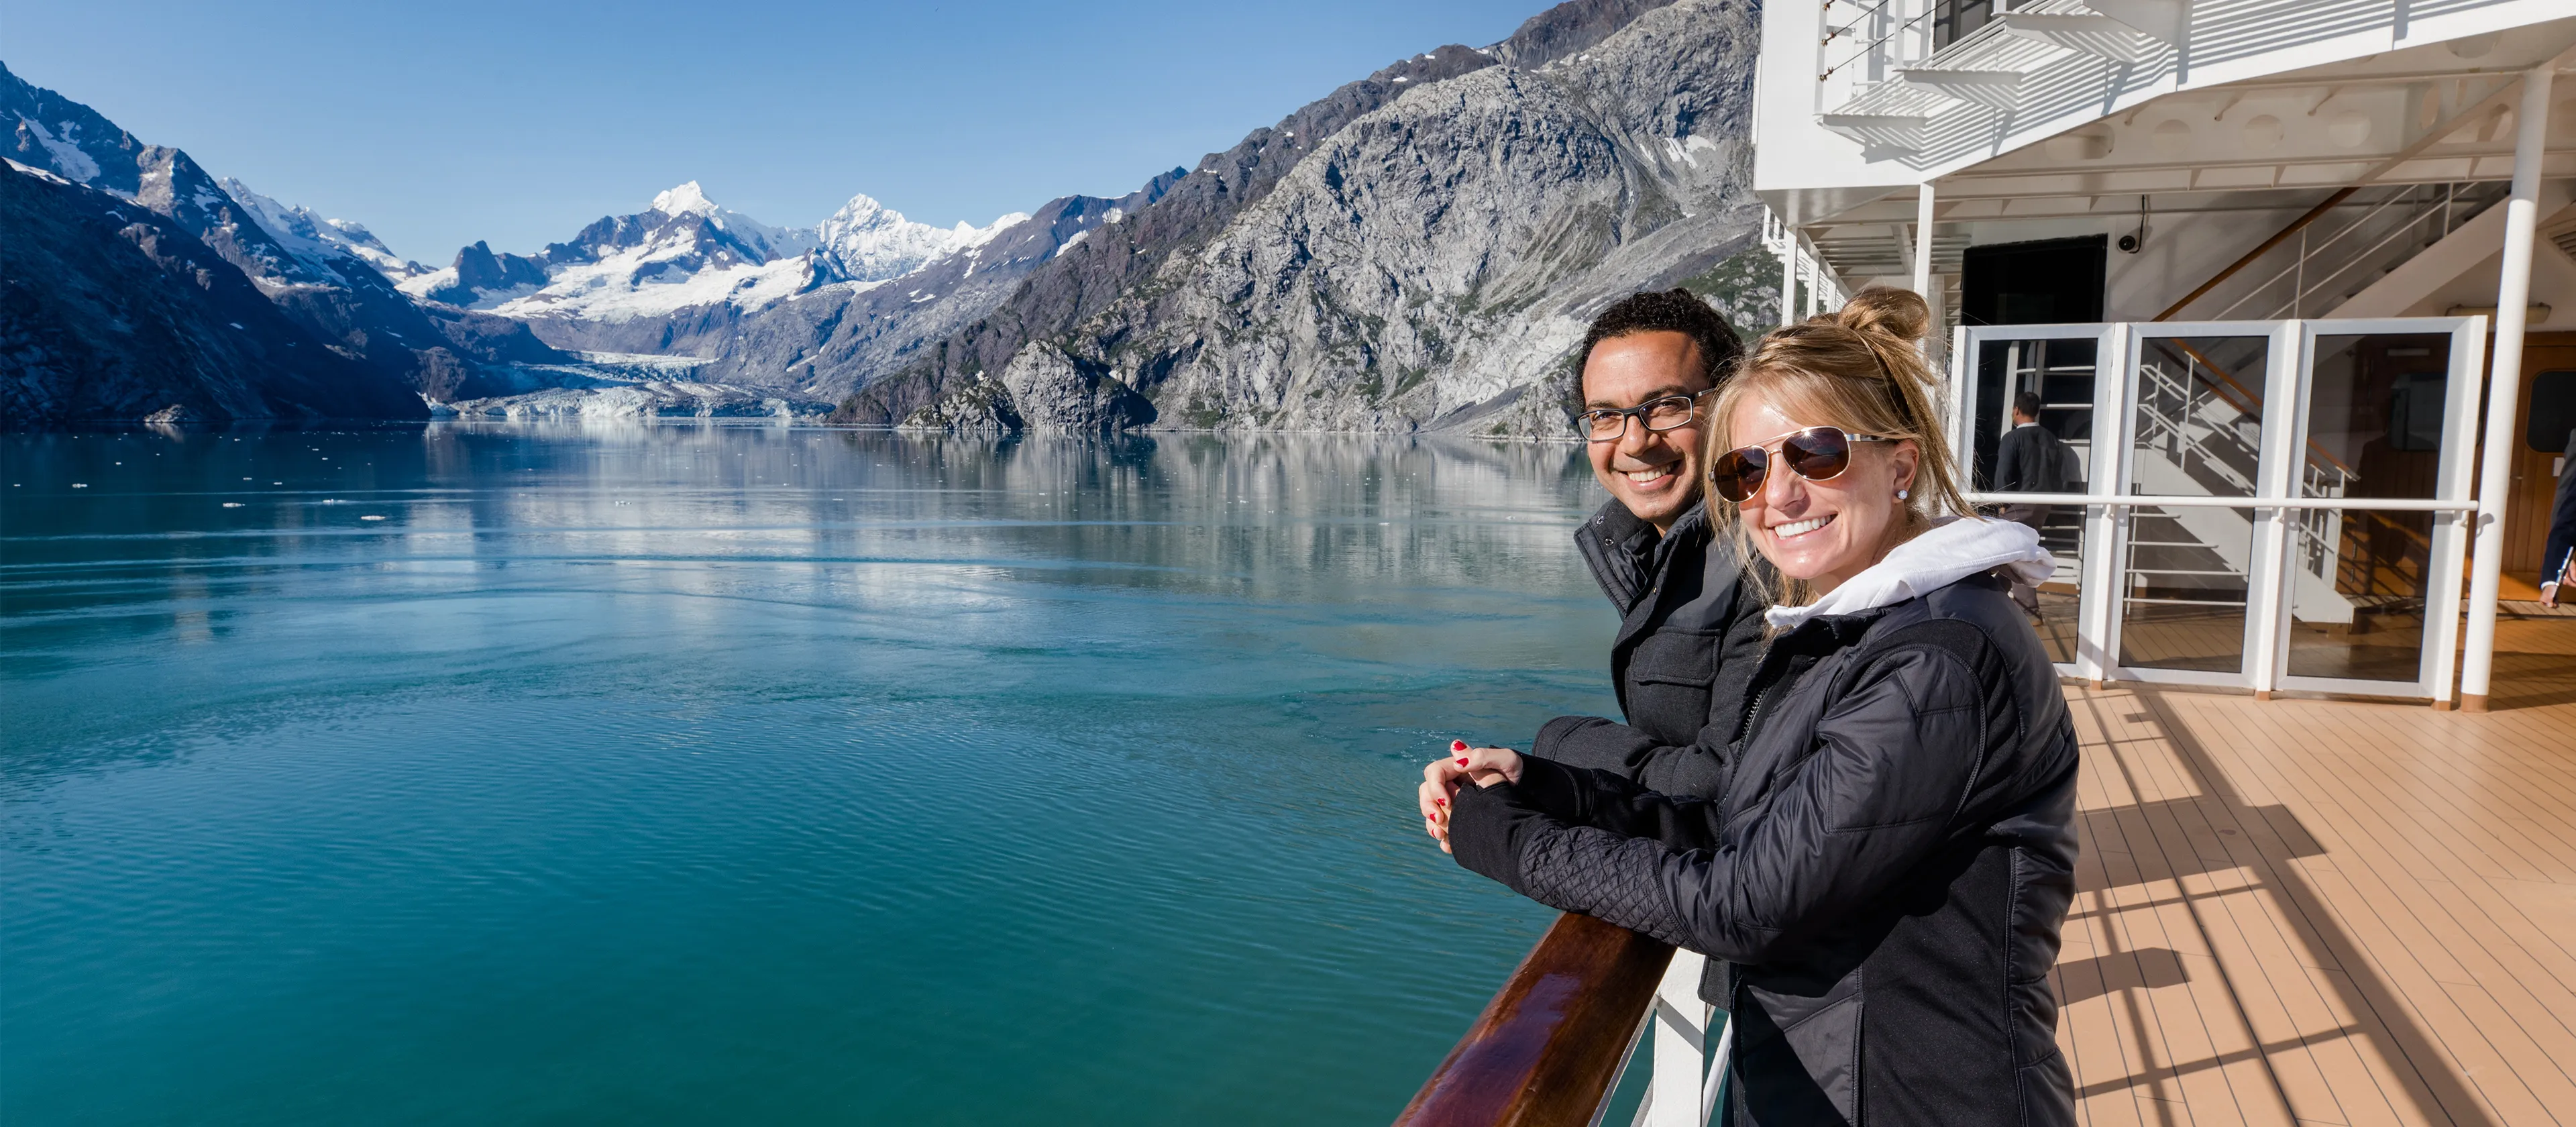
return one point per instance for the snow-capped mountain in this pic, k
(686, 251)
(308, 236)
(327, 286)
(867, 241)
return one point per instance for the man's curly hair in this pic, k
(1667, 311)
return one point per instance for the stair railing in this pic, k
(2428, 213)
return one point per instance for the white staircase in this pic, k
(2198, 434)
(2374, 233)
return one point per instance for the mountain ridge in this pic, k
(1416, 250)
(1366, 299)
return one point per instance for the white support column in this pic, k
(1788, 273)
(1681, 1046)
(1923, 241)
(2504, 374)
(1923, 270)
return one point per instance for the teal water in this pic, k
(755, 774)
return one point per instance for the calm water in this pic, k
(756, 775)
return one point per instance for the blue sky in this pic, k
(518, 121)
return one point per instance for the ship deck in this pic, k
(2315, 911)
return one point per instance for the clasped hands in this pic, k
(1484, 766)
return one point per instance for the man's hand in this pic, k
(2549, 594)
(1484, 766)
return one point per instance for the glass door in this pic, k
(2026, 397)
(2371, 584)
(2190, 560)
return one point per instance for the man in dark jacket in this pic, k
(1690, 624)
(2031, 460)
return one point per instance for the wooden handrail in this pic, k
(1546, 1049)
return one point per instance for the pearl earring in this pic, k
(1900, 494)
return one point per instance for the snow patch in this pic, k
(687, 199)
(41, 174)
(75, 165)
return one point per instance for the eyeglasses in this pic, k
(1816, 454)
(1609, 424)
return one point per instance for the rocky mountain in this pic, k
(324, 284)
(685, 253)
(1418, 250)
(313, 239)
(111, 310)
(829, 340)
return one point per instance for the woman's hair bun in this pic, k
(1887, 311)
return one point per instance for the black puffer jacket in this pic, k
(1690, 634)
(1886, 868)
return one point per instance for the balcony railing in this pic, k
(1554, 1041)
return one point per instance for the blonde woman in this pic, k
(1885, 868)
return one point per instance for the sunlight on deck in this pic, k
(2303, 911)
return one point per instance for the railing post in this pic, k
(1681, 1045)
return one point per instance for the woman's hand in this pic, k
(1484, 766)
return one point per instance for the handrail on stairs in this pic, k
(2260, 249)
(2252, 404)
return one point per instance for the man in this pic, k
(2558, 561)
(1690, 627)
(2030, 460)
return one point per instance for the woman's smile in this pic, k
(1797, 528)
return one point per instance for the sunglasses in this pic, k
(1816, 454)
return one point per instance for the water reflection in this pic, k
(795, 772)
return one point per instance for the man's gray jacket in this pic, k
(1690, 635)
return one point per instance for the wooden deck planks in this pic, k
(2303, 911)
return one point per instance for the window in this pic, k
(1952, 20)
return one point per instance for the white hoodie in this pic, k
(1953, 549)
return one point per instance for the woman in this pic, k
(1890, 855)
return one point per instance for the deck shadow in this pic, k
(2251, 847)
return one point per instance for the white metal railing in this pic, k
(1688, 1074)
(2298, 498)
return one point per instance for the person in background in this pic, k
(2030, 460)
(2558, 561)
(1890, 860)
(1690, 627)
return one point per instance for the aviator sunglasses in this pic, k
(1816, 454)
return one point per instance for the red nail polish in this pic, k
(1462, 762)
(1457, 745)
